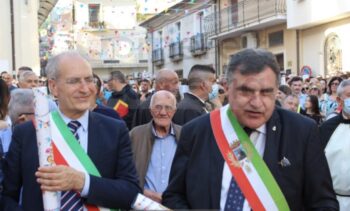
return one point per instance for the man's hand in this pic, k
(60, 178)
(153, 195)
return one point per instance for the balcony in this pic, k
(175, 51)
(158, 56)
(199, 44)
(245, 15)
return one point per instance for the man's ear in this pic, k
(52, 87)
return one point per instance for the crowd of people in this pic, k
(238, 142)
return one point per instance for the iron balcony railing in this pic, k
(158, 56)
(175, 50)
(199, 44)
(241, 14)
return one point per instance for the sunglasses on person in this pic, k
(221, 91)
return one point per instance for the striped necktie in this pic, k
(71, 200)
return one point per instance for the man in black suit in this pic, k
(200, 81)
(288, 143)
(104, 139)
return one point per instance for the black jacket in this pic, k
(130, 97)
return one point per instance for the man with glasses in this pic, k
(102, 142)
(154, 145)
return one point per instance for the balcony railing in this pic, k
(175, 51)
(242, 14)
(158, 56)
(199, 44)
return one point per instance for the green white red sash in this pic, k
(67, 151)
(249, 170)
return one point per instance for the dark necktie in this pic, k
(71, 200)
(235, 198)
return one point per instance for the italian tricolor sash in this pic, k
(246, 165)
(67, 151)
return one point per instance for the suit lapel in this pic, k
(93, 134)
(273, 143)
(216, 167)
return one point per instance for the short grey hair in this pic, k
(52, 67)
(22, 101)
(163, 92)
(341, 87)
(25, 74)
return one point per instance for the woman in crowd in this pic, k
(312, 109)
(329, 104)
(5, 122)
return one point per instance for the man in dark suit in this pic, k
(200, 81)
(104, 139)
(288, 143)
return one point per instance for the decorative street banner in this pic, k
(42, 125)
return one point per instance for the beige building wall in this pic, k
(288, 49)
(313, 45)
(5, 37)
(26, 34)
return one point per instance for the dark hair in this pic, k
(295, 78)
(98, 83)
(314, 104)
(250, 61)
(25, 68)
(325, 88)
(285, 89)
(198, 73)
(119, 76)
(145, 80)
(335, 78)
(4, 99)
(202, 68)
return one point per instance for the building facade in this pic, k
(19, 40)
(239, 24)
(177, 38)
(323, 29)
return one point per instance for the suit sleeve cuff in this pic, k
(86, 187)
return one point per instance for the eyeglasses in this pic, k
(159, 108)
(334, 84)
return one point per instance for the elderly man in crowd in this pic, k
(291, 103)
(102, 142)
(21, 106)
(28, 79)
(335, 134)
(165, 80)
(250, 154)
(154, 145)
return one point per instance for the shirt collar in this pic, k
(171, 131)
(196, 97)
(84, 119)
(262, 129)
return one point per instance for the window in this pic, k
(94, 13)
(276, 38)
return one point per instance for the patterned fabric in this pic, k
(73, 127)
(235, 198)
(71, 200)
